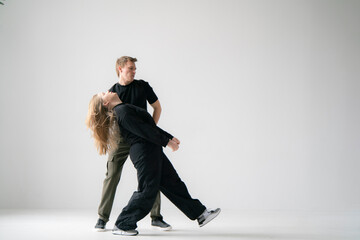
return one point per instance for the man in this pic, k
(138, 93)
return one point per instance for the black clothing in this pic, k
(137, 125)
(136, 93)
(154, 170)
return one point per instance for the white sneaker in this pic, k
(207, 216)
(131, 232)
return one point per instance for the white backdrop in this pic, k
(264, 96)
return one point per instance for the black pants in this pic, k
(154, 172)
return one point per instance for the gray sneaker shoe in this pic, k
(160, 224)
(100, 225)
(131, 232)
(208, 216)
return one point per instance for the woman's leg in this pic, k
(175, 190)
(147, 161)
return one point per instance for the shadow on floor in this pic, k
(236, 235)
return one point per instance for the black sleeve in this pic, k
(139, 126)
(112, 89)
(148, 118)
(150, 94)
(168, 135)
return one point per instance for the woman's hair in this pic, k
(120, 62)
(103, 125)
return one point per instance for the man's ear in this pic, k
(119, 68)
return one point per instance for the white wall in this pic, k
(263, 94)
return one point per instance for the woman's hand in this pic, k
(173, 145)
(176, 140)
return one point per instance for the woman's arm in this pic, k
(140, 125)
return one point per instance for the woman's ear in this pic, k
(105, 104)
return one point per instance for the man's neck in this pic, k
(124, 82)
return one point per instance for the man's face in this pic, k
(127, 73)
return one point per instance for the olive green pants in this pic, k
(115, 165)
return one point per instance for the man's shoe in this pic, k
(160, 224)
(100, 225)
(207, 216)
(131, 232)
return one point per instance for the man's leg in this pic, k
(155, 211)
(156, 218)
(115, 164)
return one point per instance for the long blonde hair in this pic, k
(103, 125)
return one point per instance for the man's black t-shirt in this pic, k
(136, 93)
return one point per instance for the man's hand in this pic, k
(173, 145)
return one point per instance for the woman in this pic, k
(106, 116)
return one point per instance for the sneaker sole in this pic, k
(123, 233)
(161, 229)
(99, 230)
(211, 217)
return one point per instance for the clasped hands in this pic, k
(173, 144)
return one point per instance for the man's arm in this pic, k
(156, 115)
(157, 111)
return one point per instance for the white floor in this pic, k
(76, 224)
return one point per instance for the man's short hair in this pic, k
(120, 62)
